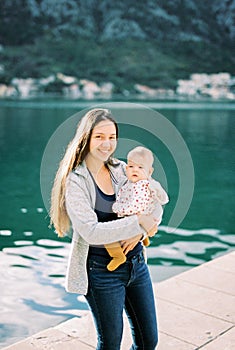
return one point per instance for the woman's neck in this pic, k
(101, 175)
(94, 165)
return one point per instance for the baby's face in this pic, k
(137, 171)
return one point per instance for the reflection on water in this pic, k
(32, 281)
(33, 260)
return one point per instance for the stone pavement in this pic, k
(196, 310)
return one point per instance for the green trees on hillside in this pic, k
(126, 42)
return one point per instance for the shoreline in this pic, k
(61, 102)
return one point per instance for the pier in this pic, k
(196, 310)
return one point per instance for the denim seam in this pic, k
(100, 329)
(136, 319)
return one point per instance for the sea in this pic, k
(194, 160)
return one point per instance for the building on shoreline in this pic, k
(215, 86)
(199, 86)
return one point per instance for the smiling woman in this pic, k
(84, 191)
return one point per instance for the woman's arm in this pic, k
(84, 219)
(130, 243)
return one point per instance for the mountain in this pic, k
(170, 39)
(194, 20)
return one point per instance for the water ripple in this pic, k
(5, 233)
(177, 246)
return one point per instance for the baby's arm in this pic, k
(158, 193)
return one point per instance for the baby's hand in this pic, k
(153, 231)
(149, 223)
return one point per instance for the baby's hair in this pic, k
(142, 152)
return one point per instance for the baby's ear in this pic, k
(151, 171)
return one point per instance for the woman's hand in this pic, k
(149, 223)
(130, 243)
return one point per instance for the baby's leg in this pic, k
(146, 242)
(115, 251)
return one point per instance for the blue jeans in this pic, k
(129, 287)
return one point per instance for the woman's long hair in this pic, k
(75, 153)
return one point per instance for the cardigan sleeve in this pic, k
(84, 219)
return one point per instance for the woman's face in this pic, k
(103, 140)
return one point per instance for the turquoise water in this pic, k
(33, 260)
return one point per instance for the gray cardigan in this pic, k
(80, 202)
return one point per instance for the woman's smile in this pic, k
(105, 151)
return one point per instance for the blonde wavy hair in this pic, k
(75, 153)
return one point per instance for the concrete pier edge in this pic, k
(196, 310)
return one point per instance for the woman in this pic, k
(83, 194)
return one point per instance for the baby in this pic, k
(141, 194)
